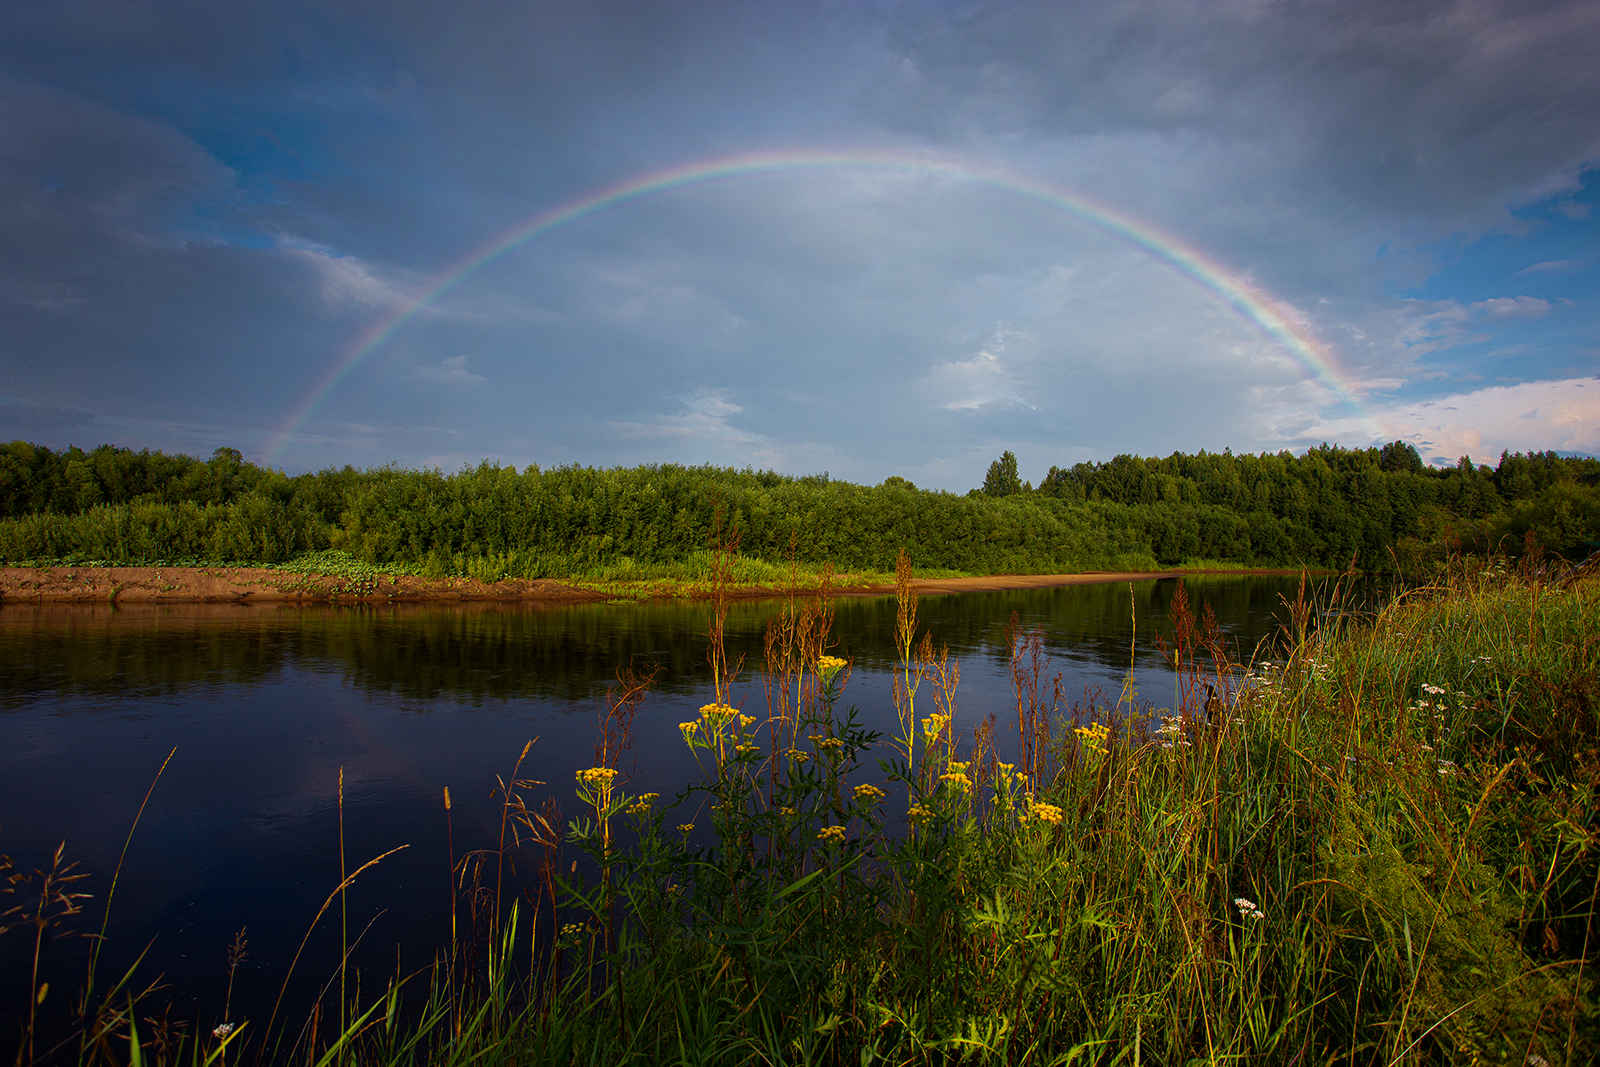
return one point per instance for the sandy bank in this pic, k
(36, 585)
(256, 584)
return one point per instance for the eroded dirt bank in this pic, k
(54, 585)
(210, 584)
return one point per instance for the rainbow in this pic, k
(1248, 301)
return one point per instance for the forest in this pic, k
(1380, 508)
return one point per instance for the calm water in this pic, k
(265, 704)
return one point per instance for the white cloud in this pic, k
(451, 371)
(346, 281)
(982, 382)
(1555, 266)
(1562, 415)
(706, 421)
(1438, 325)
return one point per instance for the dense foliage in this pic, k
(1380, 507)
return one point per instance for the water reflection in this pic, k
(265, 704)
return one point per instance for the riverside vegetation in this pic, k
(1380, 509)
(1377, 843)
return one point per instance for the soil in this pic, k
(211, 584)
(256, 584)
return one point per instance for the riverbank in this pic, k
(179, 585)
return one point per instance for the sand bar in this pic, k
(176, 585)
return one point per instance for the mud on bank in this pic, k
(177, 585)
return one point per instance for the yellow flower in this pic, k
(600, 776)
(831, 833)
(641, 806)
(956, 778)
(799, 756)
(745, 721)
(934, 725)
(1093, 736)
(830, 742)
(717, 715)
(918, 813)
(685, 827)
(1048, 812)
(745, 750)
(688, 729)
(869, 793)
(828, 666)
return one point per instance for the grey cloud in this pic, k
(45, 423)
(1438, 111)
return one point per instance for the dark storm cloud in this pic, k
(39, 422)
(1432, 111)
(207, 206)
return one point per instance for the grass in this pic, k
(621, 579)
(1380, 845)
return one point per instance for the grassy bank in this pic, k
(1377, 846)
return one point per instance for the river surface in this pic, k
(263, 705)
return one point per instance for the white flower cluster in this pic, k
(1248, 909)
(1171, 732)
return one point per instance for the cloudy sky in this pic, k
(904, 236)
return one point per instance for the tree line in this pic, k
(1381, 507)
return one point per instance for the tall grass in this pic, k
(1378, 845)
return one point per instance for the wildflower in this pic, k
(958, 779)
(747, 749)
(934, 725)
(685, 827)
(688, 729)
(1093, 736)
(828, 666)
(223, 1031)
(1006, 768)
(830, 743)
(745, 721)
(798, 756)
(1048, 812)
(869, 793)
(1248, 909)
(715, 715)
(919, 813)
(833, 834)
(1536, 1060)
(1435, 690)
(786, 812)
(600, 776)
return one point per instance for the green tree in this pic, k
(1002, 479)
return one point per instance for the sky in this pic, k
(868, 238)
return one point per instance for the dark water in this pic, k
(265, 704)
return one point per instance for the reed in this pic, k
(1377, 843)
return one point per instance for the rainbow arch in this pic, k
(1250, 302)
